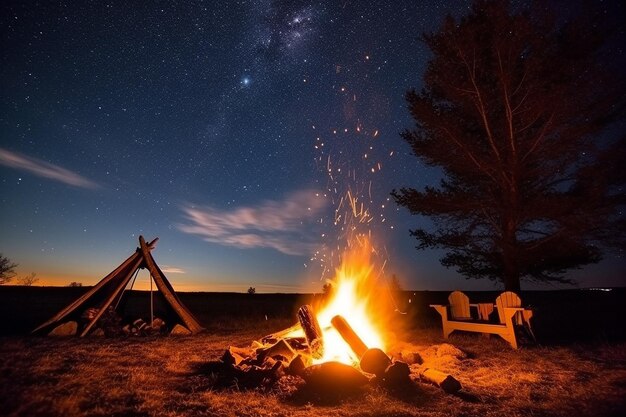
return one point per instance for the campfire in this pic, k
(335, 347)
(350, 317)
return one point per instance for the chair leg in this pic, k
(529, 330)
(509, 336)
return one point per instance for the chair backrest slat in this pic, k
(507, 299)
(459, 305)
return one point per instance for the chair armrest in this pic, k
(441, 309)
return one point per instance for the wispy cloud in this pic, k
(44, 169)
(172, 270)
(272, 224)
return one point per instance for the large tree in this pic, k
(515, 111)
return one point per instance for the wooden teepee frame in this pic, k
(142, 258)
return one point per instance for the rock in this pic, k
(332, 378)
(98, 333)
(180, 330)
(397, 373)
(296, 366)
(411, 357)
(374, 361)
(66, 329)
(446, 349)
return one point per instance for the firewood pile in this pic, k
(110, 324)
(280, 358)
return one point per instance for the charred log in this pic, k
(444, 381)
(312, 331)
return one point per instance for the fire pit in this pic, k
(290, 358)
(336, 348)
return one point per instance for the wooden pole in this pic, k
(167, 290)
(151, 304)
(115, 293)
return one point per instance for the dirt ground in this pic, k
(167, 376)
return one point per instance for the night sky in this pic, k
(227, 129)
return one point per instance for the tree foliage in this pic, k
(515, 111)
(7, 269)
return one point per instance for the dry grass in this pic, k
(166, 377)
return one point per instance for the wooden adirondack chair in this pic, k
(508, 299)
(521, 318)
(456, 316)
(459, 306)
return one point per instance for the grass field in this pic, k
(572, 373)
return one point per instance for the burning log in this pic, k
(312, 331)
(349, 335)
(444, 381)
(373, 361)
(274, 337)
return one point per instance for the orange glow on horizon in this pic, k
(187, 284)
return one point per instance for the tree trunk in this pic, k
(511, 283)
(510, 269)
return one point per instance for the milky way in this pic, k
(182, 120)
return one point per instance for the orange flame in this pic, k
(358, 297)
